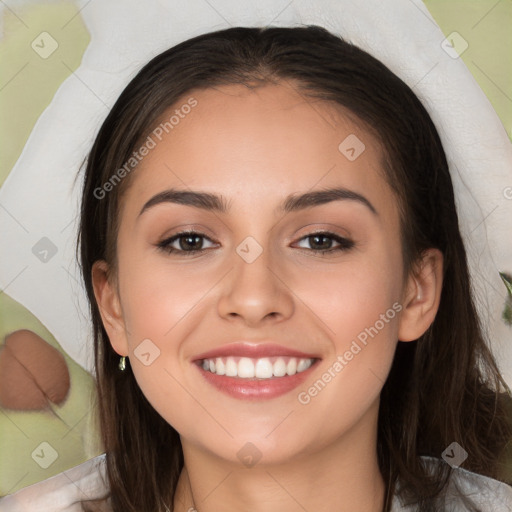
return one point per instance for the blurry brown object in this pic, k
(32, 372)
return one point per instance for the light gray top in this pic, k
(57, 494)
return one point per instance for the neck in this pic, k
(342, 476)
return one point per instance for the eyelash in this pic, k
(345, 243)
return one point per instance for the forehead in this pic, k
(270, 140)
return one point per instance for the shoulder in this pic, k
(58, 493)
(467, 491)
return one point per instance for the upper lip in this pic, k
(253, 350)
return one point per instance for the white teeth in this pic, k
(279, 368)
(245, 368)
(219, 366)
(263, 368)
(291, 367)
(303, 364)
(231, 367)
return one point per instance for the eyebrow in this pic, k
(292, 203)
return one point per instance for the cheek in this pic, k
(155, 298)
(353, 296)
(359, 307)
(160, 308)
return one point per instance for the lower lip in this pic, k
(256, 389)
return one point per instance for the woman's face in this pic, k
(257, 299)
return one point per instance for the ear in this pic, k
(107, 298)
(422, 296)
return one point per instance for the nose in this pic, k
(255, 293)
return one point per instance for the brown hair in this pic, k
(443, 387)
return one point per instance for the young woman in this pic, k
(281, 302)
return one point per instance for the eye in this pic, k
(191, 242)
(188, 242)
(322, 242)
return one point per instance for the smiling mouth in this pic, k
(256, 368)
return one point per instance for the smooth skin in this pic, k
(255, 147)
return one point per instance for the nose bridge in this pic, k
(254, 290)
(253, 263)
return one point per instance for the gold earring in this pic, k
(122, 363)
